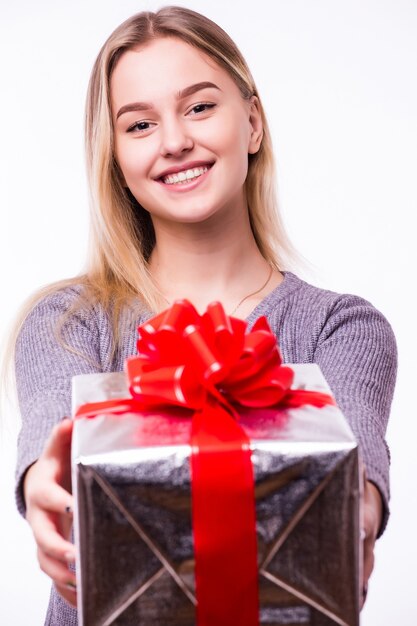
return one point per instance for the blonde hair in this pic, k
(122, 235)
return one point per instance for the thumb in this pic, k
(59, 441)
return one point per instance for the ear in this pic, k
(255, 120)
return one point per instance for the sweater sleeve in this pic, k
(358, 356)
(45, 363)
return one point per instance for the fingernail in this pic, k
(71, 586)
(69, 557)
(365, 592)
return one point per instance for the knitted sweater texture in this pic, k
(345, 335)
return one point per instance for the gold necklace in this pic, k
(253, 293)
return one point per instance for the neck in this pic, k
(210, 261)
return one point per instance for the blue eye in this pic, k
(203, 106)
(139, 127)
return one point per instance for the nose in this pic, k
(174, 138)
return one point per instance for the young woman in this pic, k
(181, 173)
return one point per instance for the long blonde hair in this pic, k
(122, 235)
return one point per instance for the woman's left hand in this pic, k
(372, 523)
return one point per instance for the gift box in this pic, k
(134, 478)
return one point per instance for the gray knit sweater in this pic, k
(345, 335)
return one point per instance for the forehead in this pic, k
(161, 69)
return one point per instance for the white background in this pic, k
(338, 80)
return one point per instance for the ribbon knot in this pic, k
(184, 357)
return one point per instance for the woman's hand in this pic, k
(49, 506)
(372, 524)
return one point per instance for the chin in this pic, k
(192, 216)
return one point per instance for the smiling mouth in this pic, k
(181, 178)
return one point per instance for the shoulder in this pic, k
(309, 296)
(346, 314)
(330, 307)
(69, 317)
(57, 304)
(59, 313)
(60, 299)
(305, 317)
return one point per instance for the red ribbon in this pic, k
(209, 364)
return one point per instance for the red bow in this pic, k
(184, 358)
(210, 365)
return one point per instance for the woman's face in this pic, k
(182, 132)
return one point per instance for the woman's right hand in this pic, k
(49, 506)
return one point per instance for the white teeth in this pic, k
(184, 176)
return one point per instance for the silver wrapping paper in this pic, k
(132, 520)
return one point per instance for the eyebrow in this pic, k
(184, 93)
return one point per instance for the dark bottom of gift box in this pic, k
(161, 605)
(123, 594)
(151, 611)
(137, 553)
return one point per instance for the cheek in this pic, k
(235, 143)
(132, 159)
(128, 161)
(235, 136)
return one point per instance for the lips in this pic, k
(185, 176)
(183, 167)
(172, 182)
